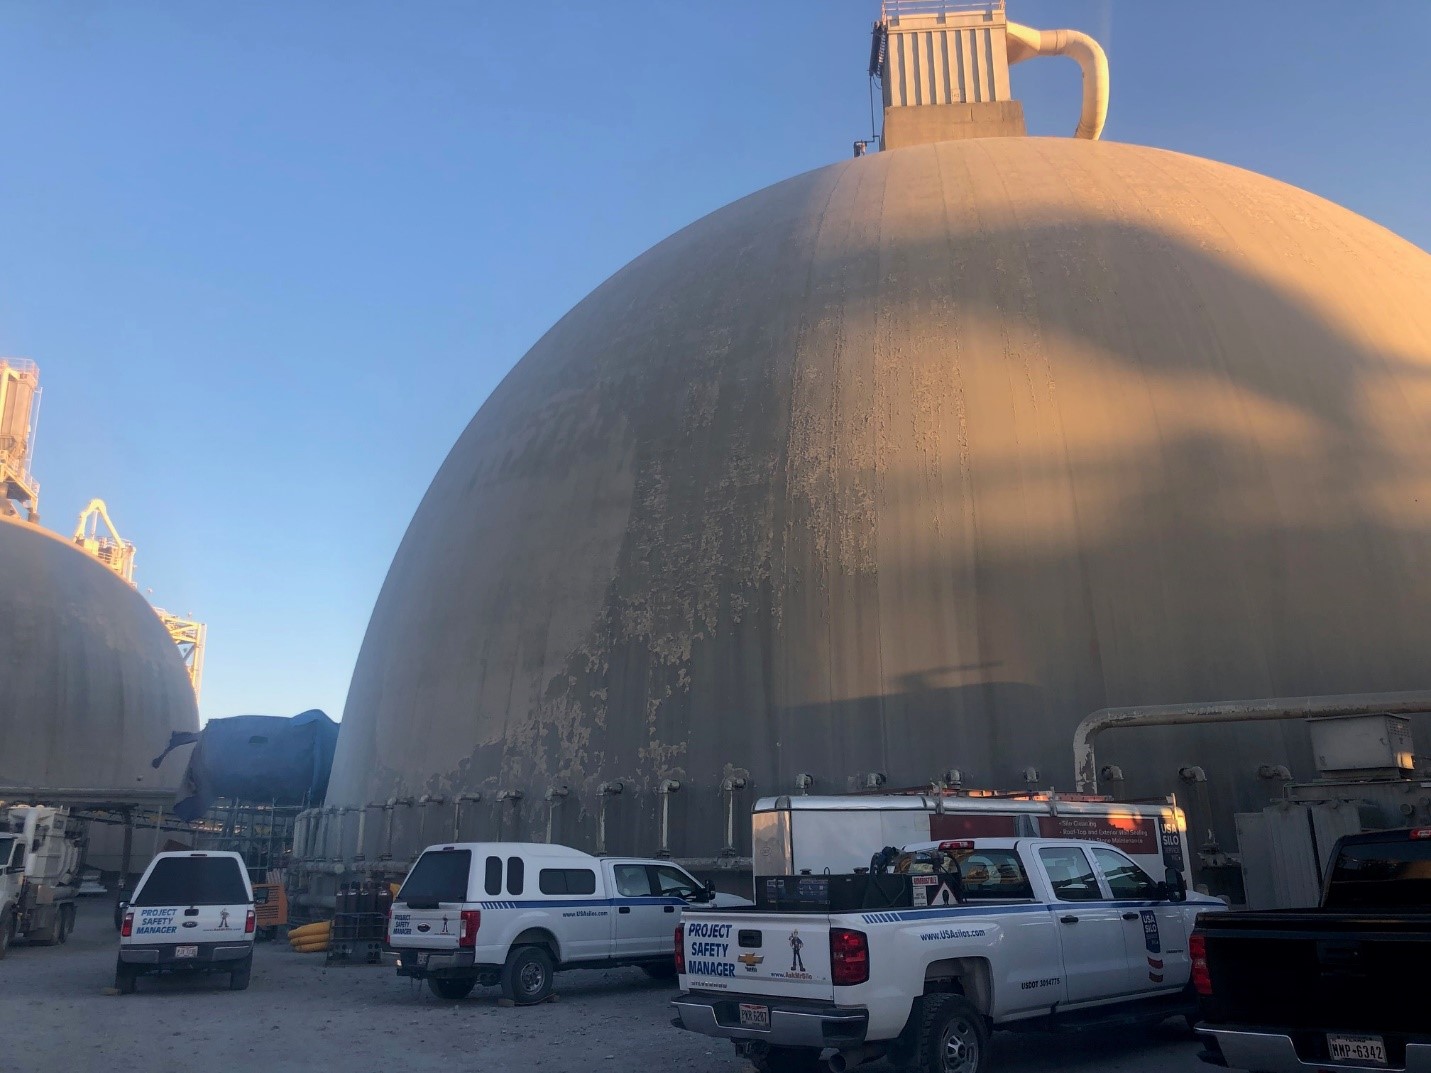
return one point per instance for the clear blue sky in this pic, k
(271, 257)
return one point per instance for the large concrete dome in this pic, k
(909, 463)
(90, 684)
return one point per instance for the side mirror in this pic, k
(1174, 887)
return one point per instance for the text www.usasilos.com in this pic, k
(951, 933)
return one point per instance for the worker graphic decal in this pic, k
(444, 930)
(223, 920)
(796, 945)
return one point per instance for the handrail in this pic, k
(895, 8)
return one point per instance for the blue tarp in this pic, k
(256, 758)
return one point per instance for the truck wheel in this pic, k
(125, 978)
(67, 922)
(51, 935)
(238, 979)
(952, 1036)
(7, 932)
(787, 1060)
(451, 987)
(527, 975)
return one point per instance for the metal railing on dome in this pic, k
(894, 9)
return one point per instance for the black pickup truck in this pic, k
(1339, 988)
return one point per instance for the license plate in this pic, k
(1357, 1048)
(186, 951)
(754, 1016)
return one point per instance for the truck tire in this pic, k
(239, 977)
(451, 988)
(787, 1060)
(67, 922)
(51, 935)
(527, 975)
(953, 1036)
(7, 931)
(125, 978)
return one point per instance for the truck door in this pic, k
(1154, 935)
(639, 919)
(676, 888)
(1095, 964)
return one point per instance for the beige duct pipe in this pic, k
(1024, 43)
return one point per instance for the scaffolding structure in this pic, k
(19, 415)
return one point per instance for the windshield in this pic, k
(6, 841)
(193, 881)
(1381, 875)
(439, 876)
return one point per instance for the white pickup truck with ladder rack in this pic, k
(919, 965)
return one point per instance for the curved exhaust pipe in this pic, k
(1024, 43)
(841, 1061)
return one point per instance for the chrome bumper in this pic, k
(1273, 1052)
(791, 1024)
(162, 955)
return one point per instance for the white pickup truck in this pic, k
(920, 965)
(514, 913)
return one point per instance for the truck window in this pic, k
(632, 881)
(1125, 879)
(1381, 875)
(14, 857)
(439, 876)
(493, 880)
(992, 873)
(516, 875)
(567, 881)
(672, 882)
(1068, 871)
(193, 881)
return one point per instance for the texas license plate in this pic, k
(1357, 1048)
(186, 951)
(754, 1016)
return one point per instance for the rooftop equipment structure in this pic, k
(19, 415)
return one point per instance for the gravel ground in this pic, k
(299, 1017)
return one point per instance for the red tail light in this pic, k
(1197, 950)
(128, 929)
(250, 922)
(1421, 832)
(467, 933)
(849, 957)
(680, 949)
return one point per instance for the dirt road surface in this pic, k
(300, 1017)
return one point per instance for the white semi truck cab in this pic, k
(41, 850)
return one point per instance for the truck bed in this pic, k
(1315, 969)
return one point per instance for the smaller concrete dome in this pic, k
(90, 684)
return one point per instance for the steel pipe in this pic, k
(1085, 765)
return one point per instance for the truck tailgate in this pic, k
(1315, 969)
(778, 954)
